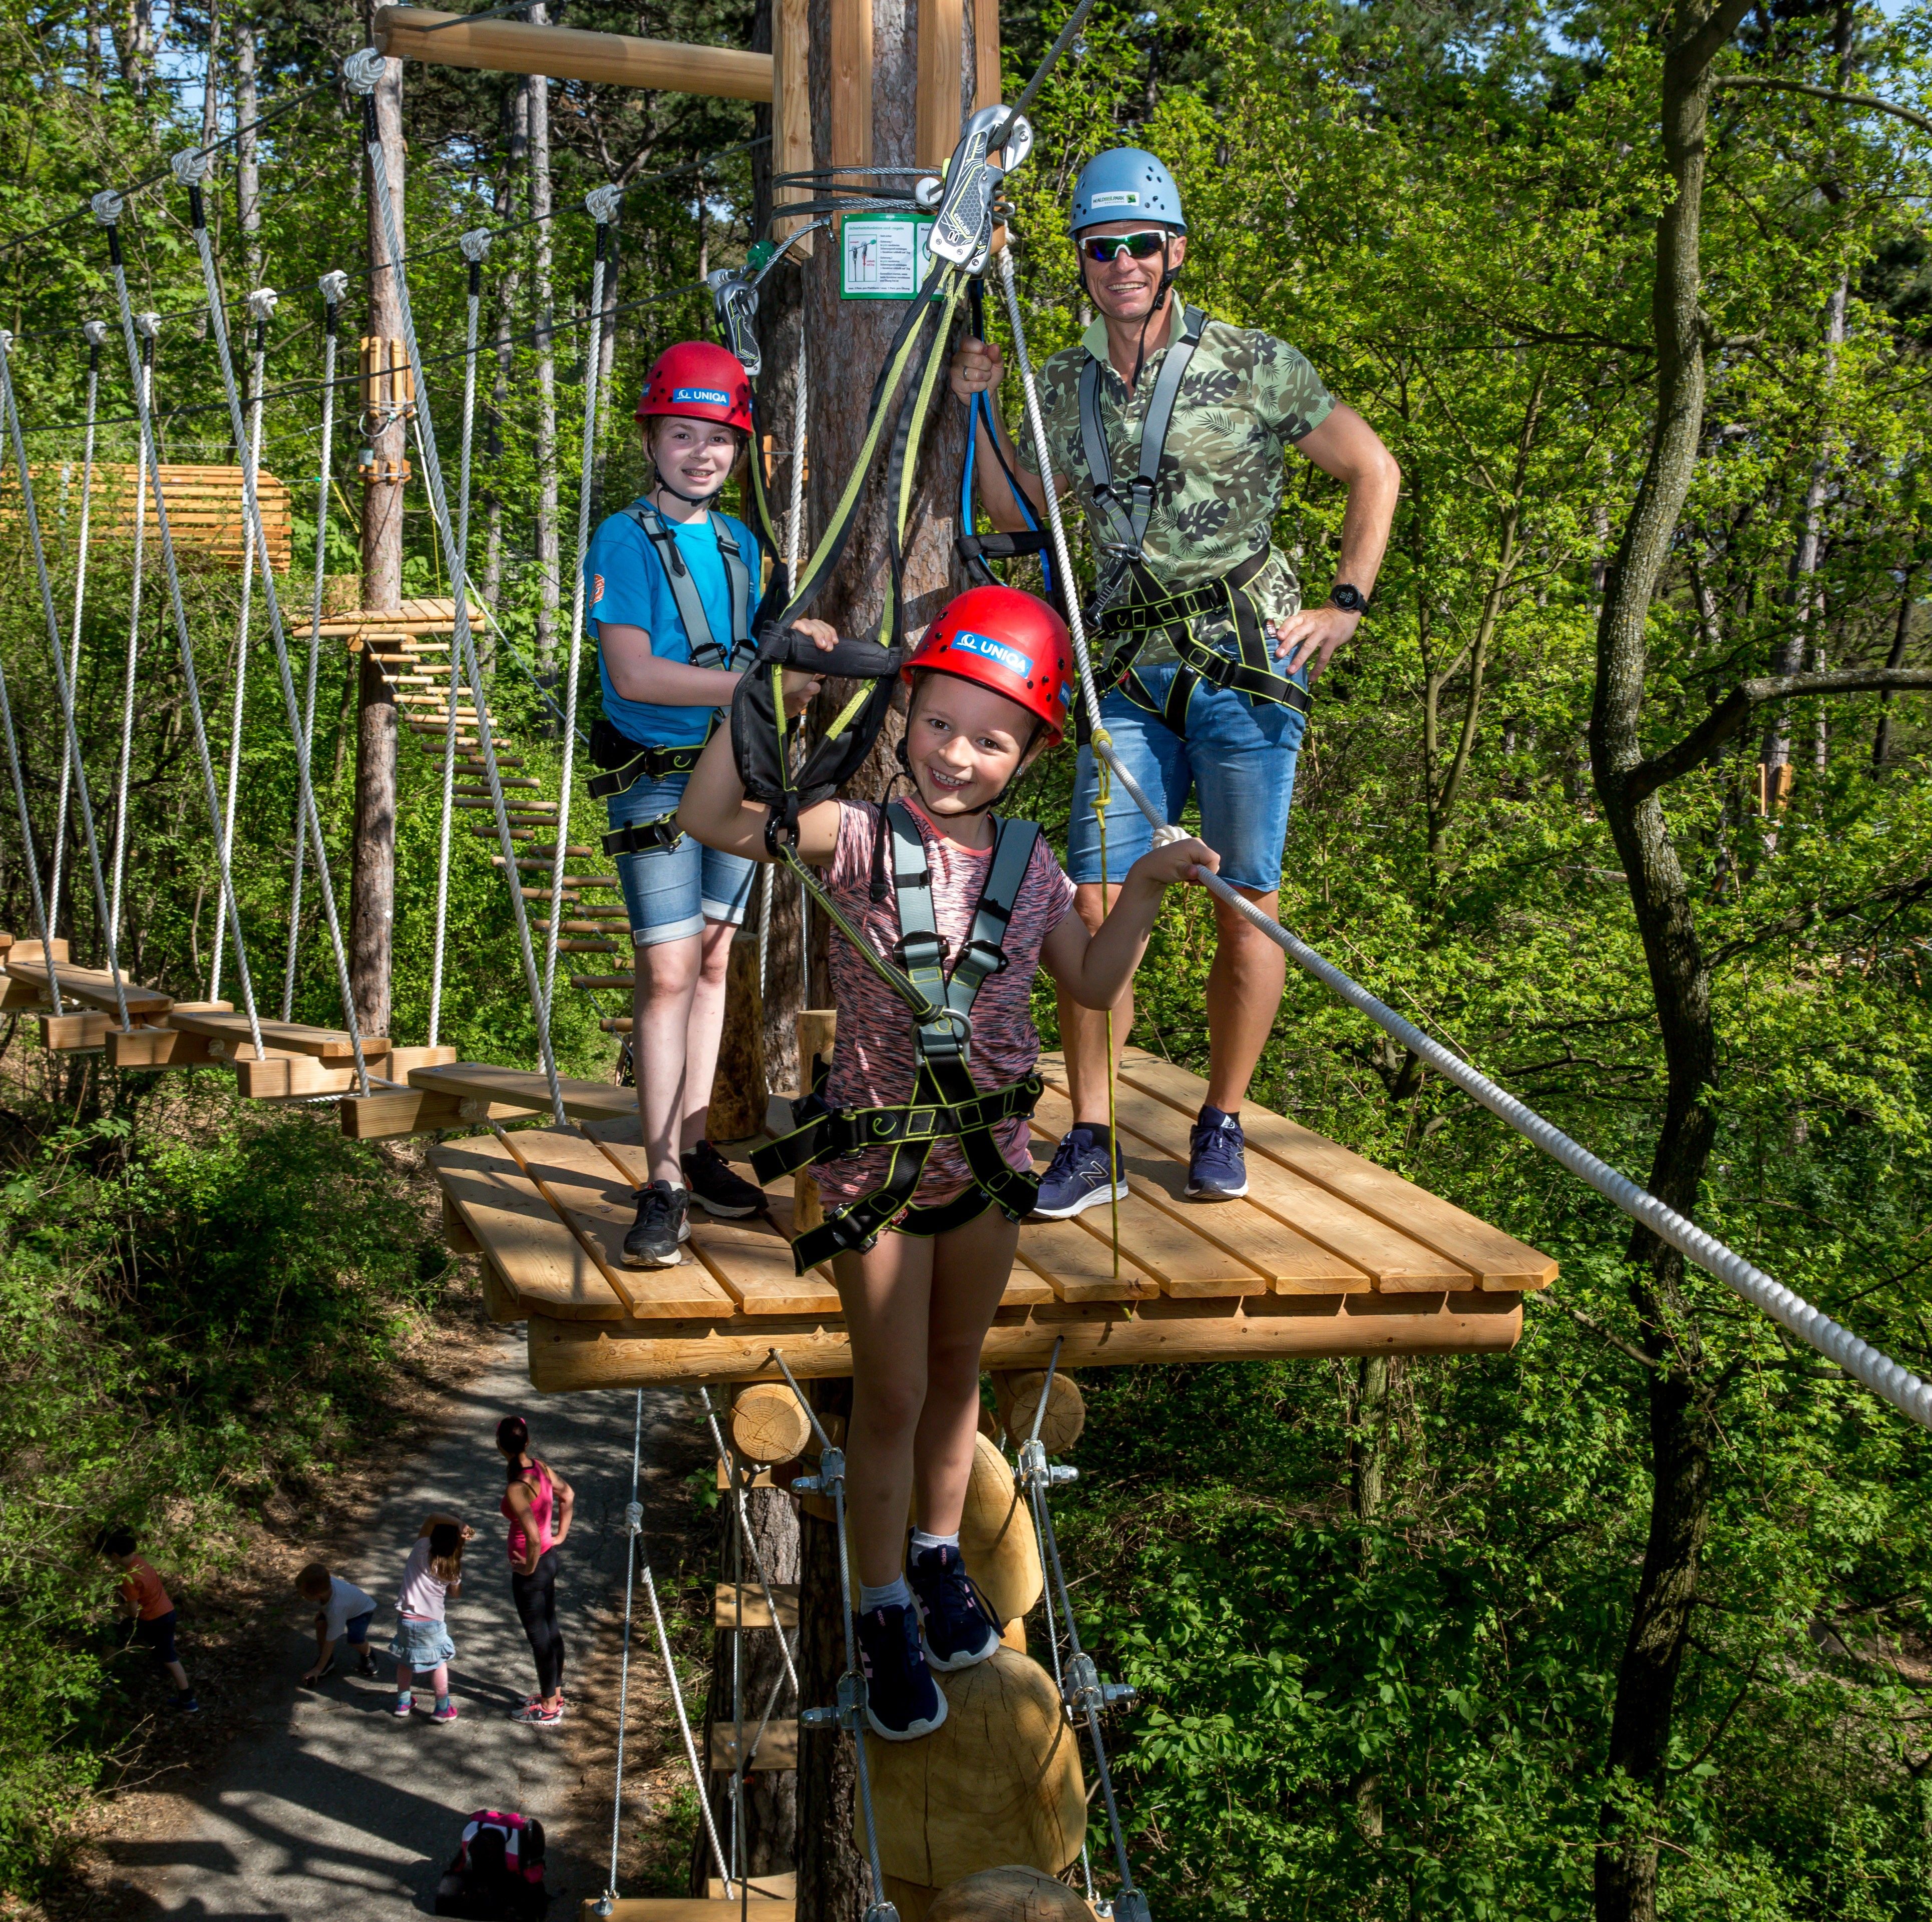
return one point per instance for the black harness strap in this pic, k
(945, 1100)
(644, 837)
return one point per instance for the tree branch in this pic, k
(1731, 713)
(1923, 122)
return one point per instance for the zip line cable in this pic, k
(62, 683)
(333, 286)
(190, 168)
(149, 326)
(363, 70)
(107, 211)
(1890, 1380)
(97, 333)
(262, 306)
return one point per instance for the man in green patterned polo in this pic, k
(1170, 429)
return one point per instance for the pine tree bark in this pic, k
(1626, 1868)
(538, 92)
(247, 168)
(373, 882)
(509, 286)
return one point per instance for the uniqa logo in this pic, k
(998, 651)
(715, 397)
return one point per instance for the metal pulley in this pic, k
(961, 198)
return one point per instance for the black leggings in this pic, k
(535, 1595)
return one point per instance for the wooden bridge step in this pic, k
(286, 1037)
(93, 986)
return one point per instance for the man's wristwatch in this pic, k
(1350, 599)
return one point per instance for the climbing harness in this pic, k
(944, 1101)
(333, 286)
(1149, 604)
(262, 304)
(95, 333)
(190, 168)
(363, 70)
(64, 685)
(149, 325)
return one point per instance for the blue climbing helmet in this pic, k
(1125, 184)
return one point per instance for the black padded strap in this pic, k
(644, 837)
(651, 762)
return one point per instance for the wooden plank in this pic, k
(15, 995)
(724, 1607)
(402, 1060)
(778, 1750)
(390, 1111)
(782, 1883)
(685, 1908)
(535, 1256)
(29, 950)
(1293, 1264)
(580, 1353)
(986, 77)
(851, 122)
(84, 1032)
(1184, 1262)
(284, 1077)
(1079, 1268)
(750, 1260)
(1390, 1259)
(601, 1206)
(791, 107)
(482, 1082)
(936, 116)
(1500, 1259)
(571, 53)
(278, 1037)
(94, 987)
(148, 1048)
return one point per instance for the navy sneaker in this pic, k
(1078, 1178)
(1217, 1170)
(955, 1624)
(902, 1701)
(663, 1222)
(718, 1187)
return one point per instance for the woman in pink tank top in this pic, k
(537, 1504)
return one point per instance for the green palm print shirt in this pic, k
(1246, 398)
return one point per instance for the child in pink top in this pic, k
(991, 684)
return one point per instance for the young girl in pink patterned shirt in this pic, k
(991, 684)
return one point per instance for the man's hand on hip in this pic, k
(1312, 636)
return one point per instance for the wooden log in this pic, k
(998, 1782)
(1018, 1398)
(739, 1095)
(1013, 1893)
(591, 1354)
(1013, 1636)
(912, 1899)
(767, 1425)
(570, 53)
(996, 1542)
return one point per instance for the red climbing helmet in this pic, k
(1009, 641)
(698, 380)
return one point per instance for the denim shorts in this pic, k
(670, 893)
(1238, 758)
(422, 1644)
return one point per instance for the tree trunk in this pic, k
(373, 888)
(1901, 634)
(516, 150)
(546, 479)
(1626, 1859)
(134, 45)
(248, 171)
(211, 90)
(768, 1839)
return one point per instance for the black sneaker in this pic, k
(183, 1702)
(902, 1701)
(718, 1187)
(955, 1624)
(1077, 1180)
(662, 1223)
(365, 1664)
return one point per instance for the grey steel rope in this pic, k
(62, 683)
(257, 300)
(1890, 1380)
(189, 168)
(634, 1523)
(363, 70)
(107, 211)
(149, 325)
(601, 203)
(96, 331)
(474, 244)
(333, 285)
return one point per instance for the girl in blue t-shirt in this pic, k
(671, 585)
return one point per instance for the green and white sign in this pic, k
(884, 257)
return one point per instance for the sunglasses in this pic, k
(1104, 247)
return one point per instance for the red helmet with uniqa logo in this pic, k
(698, 380)
(1010, 642)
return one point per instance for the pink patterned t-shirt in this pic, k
(874, 1061)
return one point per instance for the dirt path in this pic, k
(331, 1807)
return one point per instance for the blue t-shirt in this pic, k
(625, 583)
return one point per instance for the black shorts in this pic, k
(159, 1635)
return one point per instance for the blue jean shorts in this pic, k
(1237, 757)
(421, 1644)
(670, 893)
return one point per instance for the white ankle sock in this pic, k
(895, 1594)
(922, 1540)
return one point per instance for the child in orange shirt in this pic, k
(145, 1596)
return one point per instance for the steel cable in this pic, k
(149, 325)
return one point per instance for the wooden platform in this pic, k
(1328, 1254)
(204, 505)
